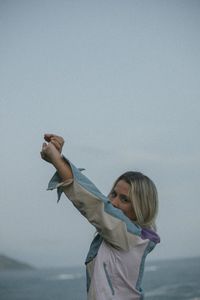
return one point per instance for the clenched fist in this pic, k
(52, 148)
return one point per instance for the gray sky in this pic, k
(119, 80)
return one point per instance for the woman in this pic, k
(125, 222)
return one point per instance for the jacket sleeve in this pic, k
(110, 222)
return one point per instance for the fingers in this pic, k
(43, 153)
(53, 142)
(56, 143)
(44, 148)
(56, 140)
(48, 151)
(48, 136)
(44, 145)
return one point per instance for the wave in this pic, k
(173, 289)
(164, 290)
(67, 276)
(151, 268)
(157, 292)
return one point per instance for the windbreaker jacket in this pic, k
(115, 262)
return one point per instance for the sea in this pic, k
(176, 279)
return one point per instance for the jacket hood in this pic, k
(150, 234)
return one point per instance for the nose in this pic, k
(115, 202)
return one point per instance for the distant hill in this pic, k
(7, 263)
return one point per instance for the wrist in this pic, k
(56, 160)
(62, 168)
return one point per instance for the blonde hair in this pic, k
(144, 197)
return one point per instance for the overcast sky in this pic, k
(120, 81)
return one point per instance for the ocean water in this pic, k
(163, 280)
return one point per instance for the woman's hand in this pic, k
(56, 140)
(50, 153)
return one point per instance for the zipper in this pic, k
(108, 278)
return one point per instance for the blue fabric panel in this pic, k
(94, 247)
(117, 213)
(148, 249)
